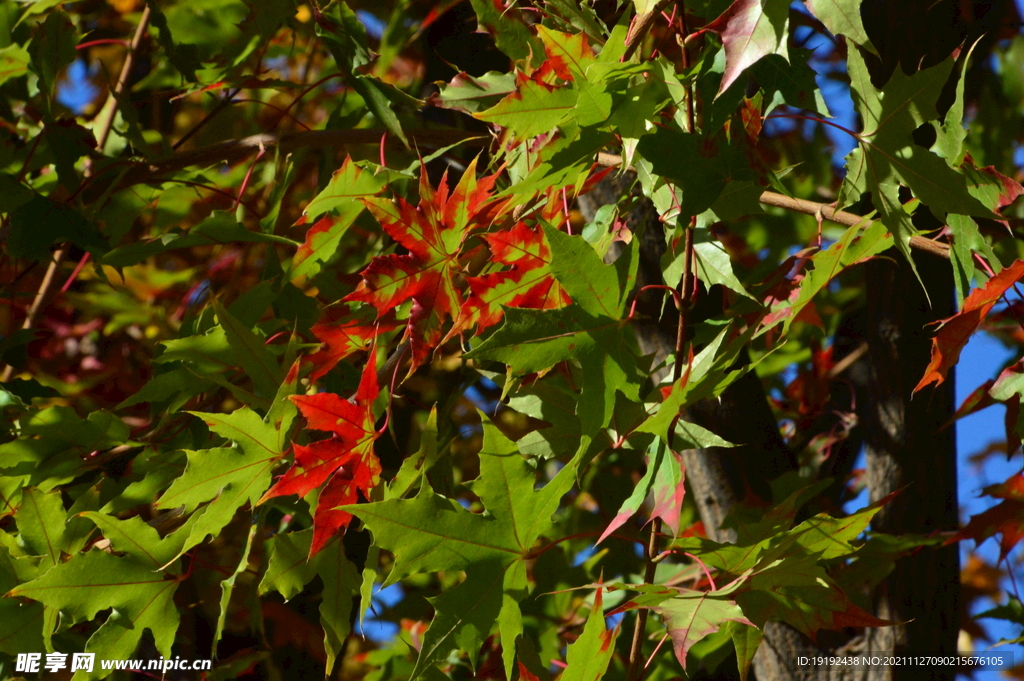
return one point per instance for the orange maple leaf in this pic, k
(434, 233)
(958, 329)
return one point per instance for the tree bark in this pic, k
(907, 448)
(904, 445)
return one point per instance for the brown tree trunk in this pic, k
(905, 448)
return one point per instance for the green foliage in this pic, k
(244, 403)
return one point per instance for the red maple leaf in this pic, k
(529, 283)
(346, 461)
(958, 329)
(434, 234)
(1005, 519)
(342, 338)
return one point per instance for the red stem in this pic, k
(851, 133)
(105, 41)
(74, 275)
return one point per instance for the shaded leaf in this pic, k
(52, 49)
(471, 94)
(841, 17)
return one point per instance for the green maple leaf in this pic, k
(588, 656)
(887, 156)
(706, 376)
(41, 517)
(340, 198)
(508, 29)
(227, 477)
(21, 622)
(593, 330)
(1012, 612)
(251, 353)
(533, 109)
(778, 573)
(798, 591)
(712, 164)
(429, 533)
(855, 245)
(842, 17)
(54, 445)
(341, 581)
(134, 585)
(289, 568)
(745, 639)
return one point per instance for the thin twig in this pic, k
(636, 657)
(844, 364)
(103, 133)
(843, 218)
(684, 300)
(122, 80)
(228, 96)
(639, 29)
(37, 304)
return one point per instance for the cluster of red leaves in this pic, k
(432, 272)
(528, 283)
(433, 233)
(343, 337)
(433, 275)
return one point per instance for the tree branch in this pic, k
(814, 208)
(233, 151)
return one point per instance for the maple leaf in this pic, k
(886, 156)
(588, 656)
(958, 329)
(533, 109)
(592, 330)
(751, 29)
(136, 583)
(469, 94)
(346, 461)
(796, 304)
(842, 17)
(689, 615)
(1007, 388)
(430, 532)
(339, 205)
(530, 283)
(434, 233)
(1005, 519)
(568, 54)
(344, 337)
